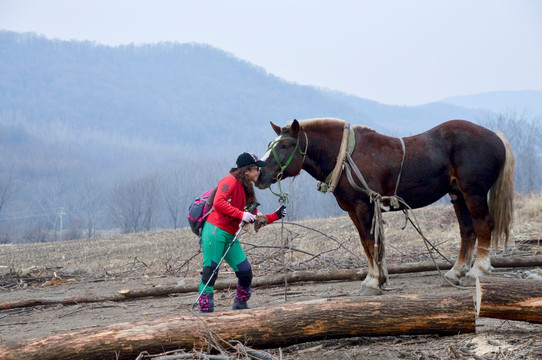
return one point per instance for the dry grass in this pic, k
(330, 242)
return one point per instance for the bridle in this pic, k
(290, 158)
(283, 197)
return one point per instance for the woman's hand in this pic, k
(281, 211)
(248, 217)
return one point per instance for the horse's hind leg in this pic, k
(468, 239)
(483, 225)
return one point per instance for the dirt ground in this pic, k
(494, 339)
(103, 266)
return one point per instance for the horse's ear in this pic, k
(294, 128)
(276, 128)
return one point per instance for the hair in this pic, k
(239, 174)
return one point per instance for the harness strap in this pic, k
(377, 227)
(348, 143)
(402, 163)
(340, 159)
(351, 165)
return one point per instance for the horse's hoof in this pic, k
(368, 291)
(447, 281)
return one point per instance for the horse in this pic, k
(472, 164)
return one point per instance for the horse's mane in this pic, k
(308, 124)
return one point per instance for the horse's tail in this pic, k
(501, 196)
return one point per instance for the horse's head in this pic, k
(284, 155)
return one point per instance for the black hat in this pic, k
(248, 159)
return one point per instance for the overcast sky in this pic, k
(405, 52)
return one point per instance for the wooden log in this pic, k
(273, 280)
(279, 325)
(511, 299)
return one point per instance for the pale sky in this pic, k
(403, 52)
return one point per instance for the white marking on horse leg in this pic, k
(457, 272)
(371, 283)
(482, 266)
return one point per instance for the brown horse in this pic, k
(458, 158)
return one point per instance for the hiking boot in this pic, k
(241, 298)
(239, 305)
(206, 303)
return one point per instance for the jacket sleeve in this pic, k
(271, 218)
(223, 193)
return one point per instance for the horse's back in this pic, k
(464, 138)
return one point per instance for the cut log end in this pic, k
(510, 299)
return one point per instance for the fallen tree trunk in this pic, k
(280, 325)
(273, 280)
(511, 299)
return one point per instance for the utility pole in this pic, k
(60, 214)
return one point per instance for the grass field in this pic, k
(310, 243)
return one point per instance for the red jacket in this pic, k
(229, 204)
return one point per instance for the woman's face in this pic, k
(253, 173)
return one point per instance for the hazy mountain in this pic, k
(527, 102)
(156, 103)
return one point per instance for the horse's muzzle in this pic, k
(265, 180)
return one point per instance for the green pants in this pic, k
(215, 243)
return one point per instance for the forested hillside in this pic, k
(82, 123)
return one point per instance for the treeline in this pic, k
(72, 206)
(59, 208)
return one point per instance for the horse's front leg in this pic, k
(377, 272)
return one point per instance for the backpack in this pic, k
(200, 209)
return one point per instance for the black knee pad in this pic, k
(245, 278)
(244, 265)
(207, 274)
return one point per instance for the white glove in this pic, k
(248, 217)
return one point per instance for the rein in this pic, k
(283, 197)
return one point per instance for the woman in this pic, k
(234, 194)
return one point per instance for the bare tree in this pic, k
(8, 189)
(92, 196)
(175, 195)
(133, 204)
(48, 201)
(524, 135)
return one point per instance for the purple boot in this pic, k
(241, 298)
(206, 303)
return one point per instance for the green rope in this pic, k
(283, 197)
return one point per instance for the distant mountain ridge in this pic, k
(526, 101)
(88, 106)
